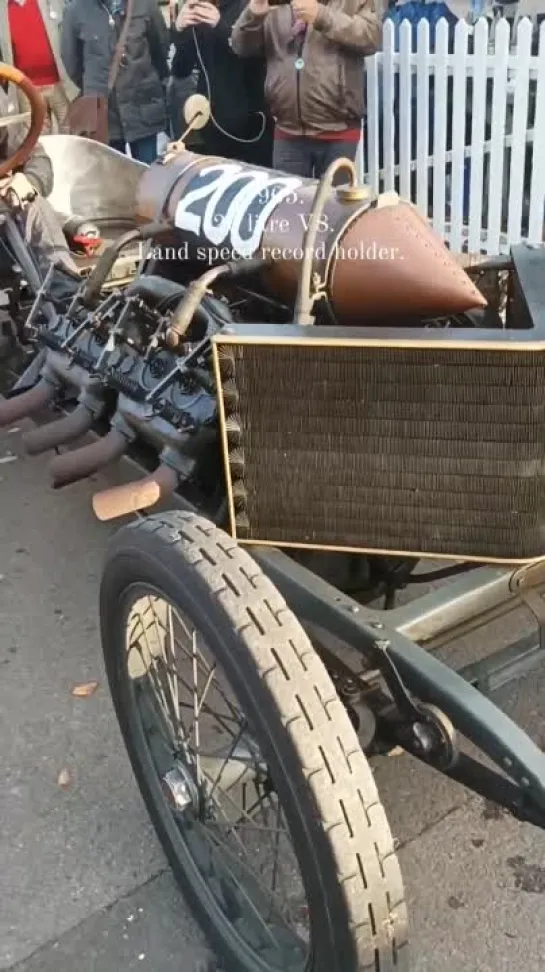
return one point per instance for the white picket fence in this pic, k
(454, 130)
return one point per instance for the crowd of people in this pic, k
(284, 79)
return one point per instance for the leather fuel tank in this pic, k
(377, 258)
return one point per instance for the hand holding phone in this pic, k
(196, 12)
(207, 12)
(186, 17)
(305, 10)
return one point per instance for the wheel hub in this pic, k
(179, 790)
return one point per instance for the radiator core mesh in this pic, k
(431, 451)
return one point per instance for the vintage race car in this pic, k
(323, 400)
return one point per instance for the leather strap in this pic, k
(120, 46)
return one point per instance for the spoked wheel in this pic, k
(248, 763)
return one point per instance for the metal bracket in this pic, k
(529, 583)
(426, 678)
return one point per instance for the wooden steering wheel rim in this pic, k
(37, 117)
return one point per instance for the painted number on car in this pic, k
(230, 205)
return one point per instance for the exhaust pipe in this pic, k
(132, 497)
(74, 466)
(27, 403)
(64, 430)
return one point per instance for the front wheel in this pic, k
(248, 763)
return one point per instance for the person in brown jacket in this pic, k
(314, 85)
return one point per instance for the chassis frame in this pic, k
(398, 646)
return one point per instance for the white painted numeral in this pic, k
(192, 222)
(215, 227)
(252, 204)
(286, 186)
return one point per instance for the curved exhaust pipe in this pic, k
(132, 497)
(74, 466)
(27, 403)
(54, 434)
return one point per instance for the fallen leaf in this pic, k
(397, 751)
(84, 690)
(64, 779)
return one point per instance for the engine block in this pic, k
(114, 361)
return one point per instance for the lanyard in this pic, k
(299, 33)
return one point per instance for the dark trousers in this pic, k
(142, 149)
(213, 142)
(310, 157)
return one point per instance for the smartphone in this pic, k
(279, 3)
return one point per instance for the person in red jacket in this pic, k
(29, 40)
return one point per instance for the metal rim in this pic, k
(212, 786)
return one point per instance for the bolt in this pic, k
(508, 762)
(423, 739)
(377, 624)
(525, 781)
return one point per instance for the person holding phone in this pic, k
(314, 86)
(238, 127)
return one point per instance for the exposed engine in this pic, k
(135, 364)
(121, 362)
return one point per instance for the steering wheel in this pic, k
(37, 116)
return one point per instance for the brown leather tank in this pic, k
(377, 259)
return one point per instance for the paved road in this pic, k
(83, 884)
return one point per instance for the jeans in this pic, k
(142, 149)
(310, 157)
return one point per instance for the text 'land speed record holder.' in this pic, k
(404, 441)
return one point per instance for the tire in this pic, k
(337, 824)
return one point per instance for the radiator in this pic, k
(421, 443)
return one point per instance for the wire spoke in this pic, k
(232, 748)
(235, 817)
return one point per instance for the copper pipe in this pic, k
(131, 497)
(31, 401)
(64, 430)
(105, 263)
(183, 314)
(190, 302)
(303, 304)
(74, 466)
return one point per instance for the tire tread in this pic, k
(335, 769)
